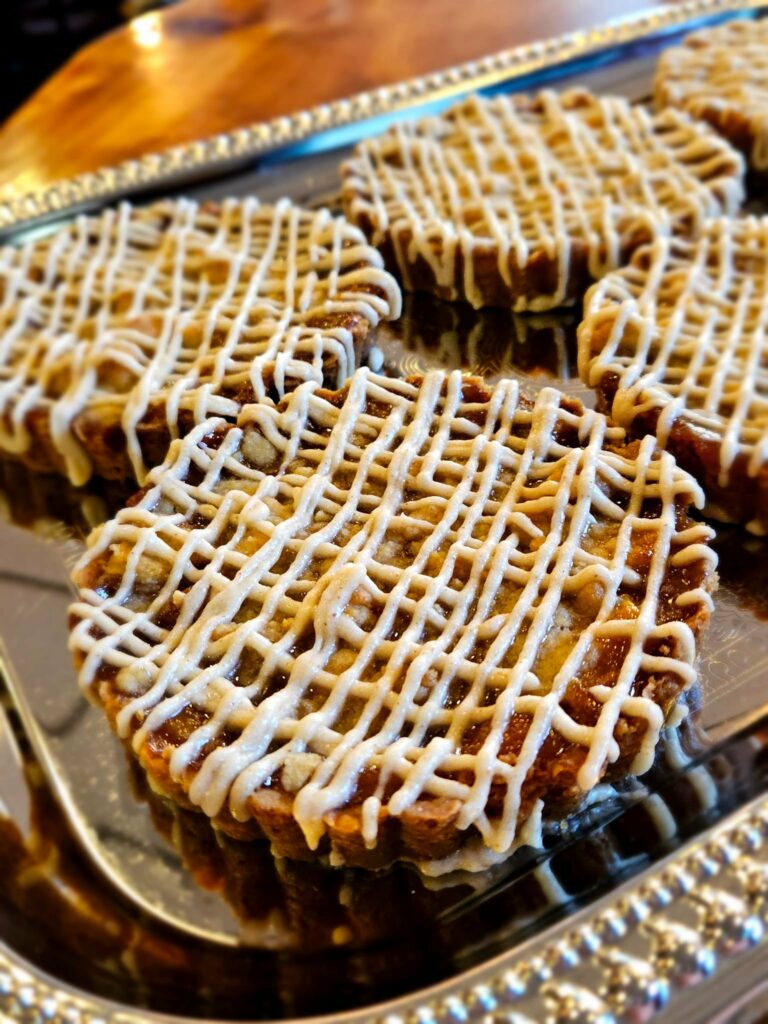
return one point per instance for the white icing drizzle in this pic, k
(179, 304)
(684, 329)
(390, 657)
(662, 817)
(520, 179)
(678, 714)
(721, 74)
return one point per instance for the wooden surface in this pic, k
(204, 66)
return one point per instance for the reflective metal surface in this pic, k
(203, 927)
(14, 795)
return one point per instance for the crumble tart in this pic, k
(675, 344)
(523, 201)
(720, 75)
(122, 330)
(395, 619)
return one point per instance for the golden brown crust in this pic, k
(674, 345)
(428, 830)
(536, 277)
(718, 75)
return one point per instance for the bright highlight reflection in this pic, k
(147, 30)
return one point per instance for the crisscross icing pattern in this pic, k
(684, 328)
(721, 74)
(539, 192)
(415, 587)
(179, 306)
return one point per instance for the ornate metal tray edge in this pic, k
(685, 919)
(627, 958)
(225, 152)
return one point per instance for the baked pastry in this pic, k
(122, 330)
(720, 74)
(392, 620)
(522, 201)
(675, 344)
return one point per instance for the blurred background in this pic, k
(92, 83)
(39, 35)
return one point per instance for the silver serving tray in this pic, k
(636, 953)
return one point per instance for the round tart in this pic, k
(522, 201)
(396, 620)
(675, 344)
(121, 331)
(721, 75)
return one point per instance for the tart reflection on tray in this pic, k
(51, 506)
(489, 342)
(743, 567)
(307, 906)
(322, 940)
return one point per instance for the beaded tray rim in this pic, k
(722, 872)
